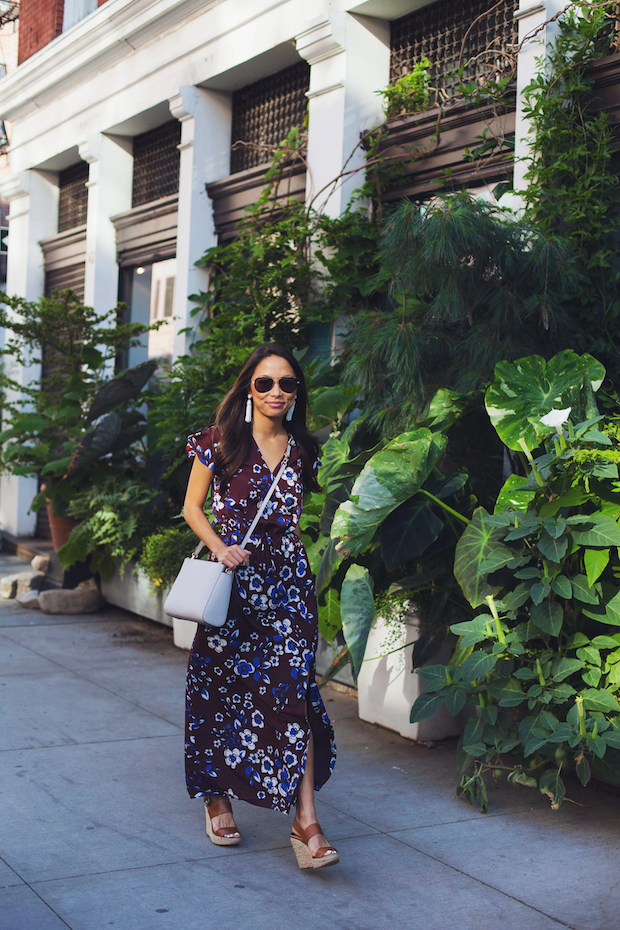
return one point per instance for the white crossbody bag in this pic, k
(201, 591)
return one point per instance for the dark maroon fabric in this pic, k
(251, 692)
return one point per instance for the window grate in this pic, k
(441, 32)
(156, 164)
(72, 196)
(264, 113)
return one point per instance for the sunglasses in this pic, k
(288, 385)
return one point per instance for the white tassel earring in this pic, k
(248, 409)
(291, 411)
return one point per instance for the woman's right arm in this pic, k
(199, 483)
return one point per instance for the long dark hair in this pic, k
(236, 435)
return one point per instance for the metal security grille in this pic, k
(264, 113)
(478, 34)
(156, 164)
(72, 196)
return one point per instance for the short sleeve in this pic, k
(315, 467)
(204, 446)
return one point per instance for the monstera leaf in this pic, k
(528, 389)
(390, 477)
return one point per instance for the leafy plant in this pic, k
(540, 656)
(163, 554)
(79, 420)
(409, 94)
(573, 186)
(470, 286)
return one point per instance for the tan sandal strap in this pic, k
(322, 850)
(219, 806)
(304, 835)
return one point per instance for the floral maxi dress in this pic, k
(251, 695)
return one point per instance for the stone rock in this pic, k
(84, 599)
(30, 600)
(41, 563)
(8, 586)
(19, 583)
(29, 581)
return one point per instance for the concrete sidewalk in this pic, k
(97, 830)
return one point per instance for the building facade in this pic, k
(140, 131)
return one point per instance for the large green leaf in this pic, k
(595, 561)
(478, 541)
(600, 699)
(548, 616)
(600, 531)
(408, 531)
(99, 441)
(331, 403)
(446, 407)
(124, 387)
(514, 495)
(328, 566)
(357, 609)
(391, 477)
(330, 621)
(528, 389)
(552, 785)
(477, 664)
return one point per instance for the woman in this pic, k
(256, 727)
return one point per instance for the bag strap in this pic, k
(260, 510)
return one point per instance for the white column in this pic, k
(535, 35)
(110, 177)
(206, 118)
(349, 58)
(33, 216)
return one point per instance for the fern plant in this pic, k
(469, 286)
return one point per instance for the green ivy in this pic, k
(573, 188)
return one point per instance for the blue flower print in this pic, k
(248, 739)
(250, 682)
(293, 732)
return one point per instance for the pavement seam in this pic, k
(98, 742)
(481, 882)
(28, 885)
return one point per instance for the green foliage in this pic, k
(113, 521)
(573, 188)
(409, 94)
(470, 286)
(280, 274)
(80, 423)
(163, 554)
(544, 578)
(530, 388)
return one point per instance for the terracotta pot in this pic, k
(60, 528)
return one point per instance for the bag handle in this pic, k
(260, 510)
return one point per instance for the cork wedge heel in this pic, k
(223, 836)
(324, 856)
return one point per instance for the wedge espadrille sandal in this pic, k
(223, 836)
(325, 855)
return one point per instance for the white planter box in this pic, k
(388, 688)
(133, 592)
(184, 632)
